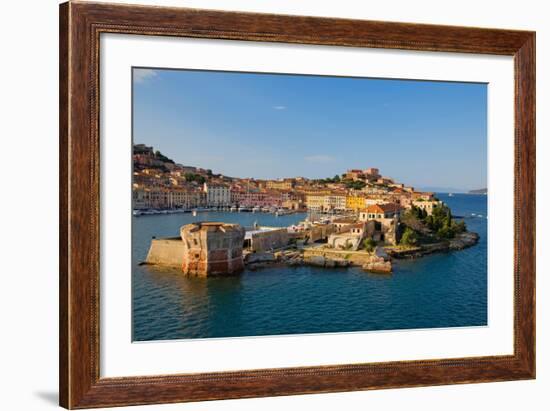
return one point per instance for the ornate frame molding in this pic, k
(80, 27)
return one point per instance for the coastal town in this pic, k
(161, 184)
(360, 217)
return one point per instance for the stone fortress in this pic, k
(214, 248)
(211, 248)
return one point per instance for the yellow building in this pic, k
(315, 201)
(326, 202)
(355, 203)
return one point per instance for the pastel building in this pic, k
(282, 184)
(355, 203)
(217, 195)
(386, 221)
(326, 202)
(427, 205)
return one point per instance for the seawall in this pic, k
(166, 251)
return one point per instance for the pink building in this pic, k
(258, 199)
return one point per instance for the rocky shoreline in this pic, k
(379, 261)
(460, 242)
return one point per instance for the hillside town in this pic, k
(360, 217)
(161, 184)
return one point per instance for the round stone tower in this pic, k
(212, 248)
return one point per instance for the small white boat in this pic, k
(281, 211)
(194, 213)
(451, 195)
(233, 209)
(256, 209)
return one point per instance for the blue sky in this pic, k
(425, 134)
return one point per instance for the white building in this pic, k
(217, 195)
(334, 202)
(427, 205)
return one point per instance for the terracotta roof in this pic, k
(383, 208)
(344, 220)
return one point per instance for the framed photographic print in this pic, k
(258, 205)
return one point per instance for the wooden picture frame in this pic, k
(80, 27)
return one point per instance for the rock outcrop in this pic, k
(378, 265)
(322, 261)
(463, 240)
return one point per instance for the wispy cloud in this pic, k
(319, 158)
(142, 75)
(279, 107)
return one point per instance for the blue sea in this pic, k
(440, 290)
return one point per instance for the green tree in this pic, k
(409, 237)
(424, 214)
(162, 157)
(440, 217)
(459, 227)
(194, 177)
(356, 185)
(429, 222)
(446, 232)
(369, 245)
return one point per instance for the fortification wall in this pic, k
(321, 232)
(269, 240)
(166, 251)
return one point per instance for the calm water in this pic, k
(441, 290)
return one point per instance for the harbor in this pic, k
(282, 297)
(371, 241)
(233, 209)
